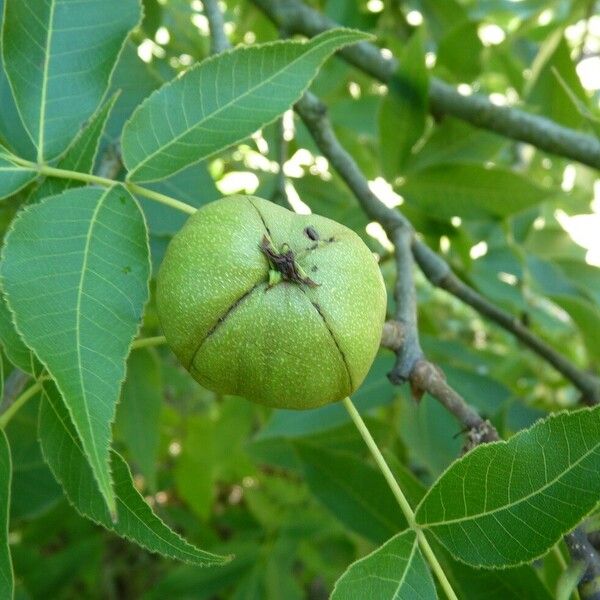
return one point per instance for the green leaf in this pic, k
(545, 92)
(454, 141)
(507, 503)
(134, 80)
(13, 177)
(403, 111)
(200, 584)
(222, 101)
(460, 51)
(6, 572)
(80, 156)
(34, 489)
(395, 571)
(12, 131)
(14, 347)
(59, 57)
(139, 411)
(75, 275)
(65, 456)
(369, 508)
(485, 584)
(470, 191)
(587, 318)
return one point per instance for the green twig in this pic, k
(148, 342)
(400, 497)
(12, 410)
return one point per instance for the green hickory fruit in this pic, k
(257, 301)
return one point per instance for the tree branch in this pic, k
(581, 550)
(545, 134)
(313, 113)
(216, 24)
(403, 335)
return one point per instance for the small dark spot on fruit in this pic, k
(311, 233)
(331, 239)
(315, 268)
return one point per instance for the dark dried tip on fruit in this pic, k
(311, 233)
(284, 263)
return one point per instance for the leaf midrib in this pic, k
(519, 501)
(44, 91)
(225, 106)
(86, 252)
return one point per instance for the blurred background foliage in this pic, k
(295, 496)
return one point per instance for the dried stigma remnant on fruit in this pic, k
(242, 313)
(284, 263)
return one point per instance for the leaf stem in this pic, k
(12, 410)
(148, 342)
(104, 181)
(400, 497)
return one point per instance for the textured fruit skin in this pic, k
(290, 344)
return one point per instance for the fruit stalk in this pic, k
(400, 497)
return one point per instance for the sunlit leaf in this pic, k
(221, 101)
(395, 571)
(75, 274)
(59, 55)
(507, 503)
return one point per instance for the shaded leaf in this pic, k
(13, 177)
(470, 191)
(395, 571)
(57, 72)
(403, 111)
(368, 507)
(139, 411)
(460, 50)
(6, 572)
(14, 347)
(454, 141)
(193, 185)
(80, 156)
(587, 318)
(137, 523)
(34, 489)
(222, 101)
(133, 80)
(507, 503)
(77, 285)
(186, 581)
(485, 584)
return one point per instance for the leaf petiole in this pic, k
(400, 497)
(104, 181)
